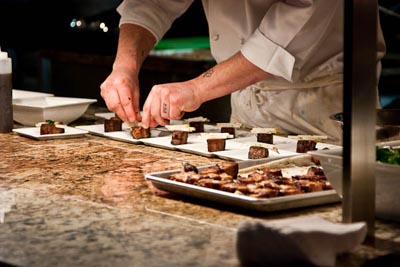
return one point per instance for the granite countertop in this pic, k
(85, 202)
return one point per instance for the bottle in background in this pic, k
(6, 110)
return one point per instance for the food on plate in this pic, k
(229, 130)
(50, 127)
(267, 138)
(259, 182)
(197, 123)
(307, 143)
(215, 144)
(113, 124)
(179, 137)
(139, 132)
(304, 146)
(265, 135)
(258, 152)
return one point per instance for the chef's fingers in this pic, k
(112, 101)
(136, 105)
(126, 101)
(158, 108)
(151, 113)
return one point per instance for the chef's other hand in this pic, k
(169, 101)
(120, 91)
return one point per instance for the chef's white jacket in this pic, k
(300, 42)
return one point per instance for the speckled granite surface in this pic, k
(84, 202)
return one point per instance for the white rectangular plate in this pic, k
(34, 132)
(97, 129)
(126, 136)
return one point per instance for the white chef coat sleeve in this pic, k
(266, 48)
(155, 16)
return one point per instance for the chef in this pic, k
(281, 61)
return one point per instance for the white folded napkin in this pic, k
(302, 240)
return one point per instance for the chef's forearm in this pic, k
(226, 77)
(134, 44)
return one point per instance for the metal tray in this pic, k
(160, 180)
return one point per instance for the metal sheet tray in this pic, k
(160, 180)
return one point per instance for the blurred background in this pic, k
(67, 47)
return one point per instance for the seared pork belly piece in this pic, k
(179, 137)
(215, 144)
(265, 138)
(113, 124)
(187, 167)
(229, 130)
(304, 146)
(315, 171)
(50, 128)
(258, 152)
(198, 125)
(273, 172)
(231, 168)
(139, 132)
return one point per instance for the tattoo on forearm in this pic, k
(208, 73)
(142, 53)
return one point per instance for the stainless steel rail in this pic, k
(360, 81)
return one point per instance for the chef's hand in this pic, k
(121, 93)
(169, 101)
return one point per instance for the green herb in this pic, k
(388, 155)
(50, 122)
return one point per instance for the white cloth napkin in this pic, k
(302, 240)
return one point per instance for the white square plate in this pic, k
(126, 136)
(97, 129)
(34, 132)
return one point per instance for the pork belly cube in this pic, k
(265, 138)
(112, 124)
(215, 144)
(179, 137)
(229, 130)
(198, 125)
(49, 128)
(258, 152)
(303, 146)
(139, 132)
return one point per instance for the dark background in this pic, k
(51, 56)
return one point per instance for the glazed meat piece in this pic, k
(308, 186)
(265, 138)
(187, 167)
(231, 168)
(229, 130)
(50, 128)
(139, 132)
(215, 144)
(273, 172)
(304, 146)
(113, 124)
(258, 152)
(179, 137)
(315, 171)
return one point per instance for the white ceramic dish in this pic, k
(23, 94)
(34, 133)
(29, 111)
(387, 180)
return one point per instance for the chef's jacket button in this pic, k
(242, 40)
(215, 37)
